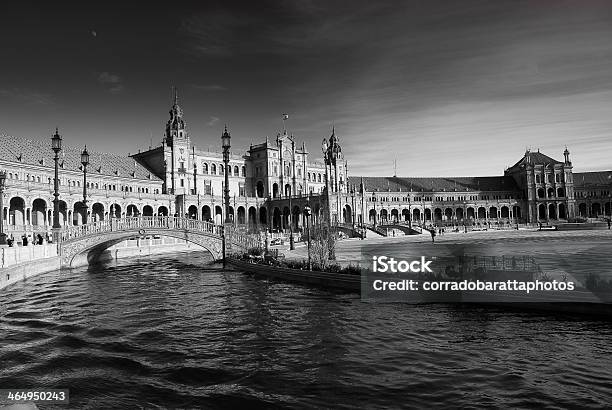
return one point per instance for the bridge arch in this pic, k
(91, 249)
(91, 240)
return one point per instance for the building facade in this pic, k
(272, 181)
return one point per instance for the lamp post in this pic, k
(226, 144)
(324, 148)
(85, 162)
(2, 181)
(307, 214)
(290, 216)
(56, 145)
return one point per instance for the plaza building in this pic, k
(272, 182)
(260, 179)
(116, 185)
(536, 189)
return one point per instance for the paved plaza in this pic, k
(571, 253)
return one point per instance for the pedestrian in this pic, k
(609, 223)
(40, 239)
(24, 240)
(433, 235)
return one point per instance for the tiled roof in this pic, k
(38, 152)
(450, 184)
(582, 179)
(537, 158)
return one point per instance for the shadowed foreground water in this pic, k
(172, 332)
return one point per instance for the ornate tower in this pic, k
(568, 182)
(177, 158)
(338, 174)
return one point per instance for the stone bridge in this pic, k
(405, 227)
(93, 238)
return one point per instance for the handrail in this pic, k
(141, 223)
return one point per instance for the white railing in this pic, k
(141, 223)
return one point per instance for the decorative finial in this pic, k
(175, 96)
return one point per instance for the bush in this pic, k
(255, 251)
(351, 270)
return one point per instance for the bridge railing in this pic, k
(140, 223)
(242, 240)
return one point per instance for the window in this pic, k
(204, 168)
(213, 169)
(236, 172)
(243, 171)
(182, 182)
(221, 169)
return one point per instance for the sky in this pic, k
(442, 88)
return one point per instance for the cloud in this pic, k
(112, 82)
(284, 29)
(212, 121)
(26, 95)
(210, 87)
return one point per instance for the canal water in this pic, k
(174, 332)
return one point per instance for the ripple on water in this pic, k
(176, 332)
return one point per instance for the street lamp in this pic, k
(2, 181)
(226, 144)
(56, 145)
(307, 214)
(85, 162)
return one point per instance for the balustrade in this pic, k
(142, 223)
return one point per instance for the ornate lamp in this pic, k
(85, 162)
(56, 146)
(2, 181)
